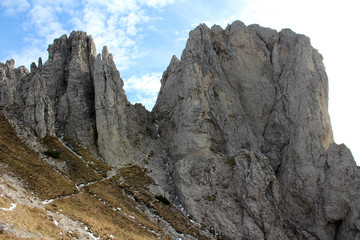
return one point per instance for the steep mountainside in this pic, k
(238, 146)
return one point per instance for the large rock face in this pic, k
(240, 135)
(57, 96)
(255, 99)
(78, 95)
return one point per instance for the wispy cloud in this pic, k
(28, 55)
(117, 24)
(143, 89)
(44, 21)
(15, 6)
(156, 3)
(120, 25)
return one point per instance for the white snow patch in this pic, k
(132, 217)
(111, 173)
(93, 236)
(194, 222)
(157, 130)
(70, 149)
(47, 201)
(13, 206)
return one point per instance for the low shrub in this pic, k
(163, 199)
(53, 154)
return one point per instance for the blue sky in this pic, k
(144, 34)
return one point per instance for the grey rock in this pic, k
(2, 228)
(110, 105)
(74, 91)
(238, 193)
(341, 193)
(9, 82)
(240, 135)
(57, 96)
(254, 89)
(77, 96)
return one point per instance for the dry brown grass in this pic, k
(27, 165)
(30, 221)
(104, 220)
(97, 165)
(135, 181)
(110, 208)
(77, 170)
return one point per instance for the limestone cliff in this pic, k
(240, 136)
(78, 95)
(244, 119)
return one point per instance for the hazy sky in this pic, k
(143, 36)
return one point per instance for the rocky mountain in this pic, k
(238, 146)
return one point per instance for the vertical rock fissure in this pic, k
(242, 138)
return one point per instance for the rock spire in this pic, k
(240, 135)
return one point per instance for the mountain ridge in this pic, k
(240, 136)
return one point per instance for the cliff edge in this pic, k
(239, 139)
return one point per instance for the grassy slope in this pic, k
(109, 208)
(26, 164)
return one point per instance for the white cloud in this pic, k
(44, 21)
(157, 3)
(116, 24)
(114, 7)
(149, 83)
(15, 6)
(143, 89)
(223, 22)
(132, 20)
(28, 55)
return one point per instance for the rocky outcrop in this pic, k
(56, 97)
(240, 135)
(110, 105)
(78, 95)
(254, 90)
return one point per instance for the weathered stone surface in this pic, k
(24, 93)
(75, 106)
(240, 136)
(253, 89)
(341, 192)
(8, 78)
(57, 96)
(110, 104)
(237, 193)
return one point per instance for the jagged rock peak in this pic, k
(76, 42)
(78, 95)
(10, 63)
(105, 52)
(60, 93)
(240, 135)
(244, 93)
